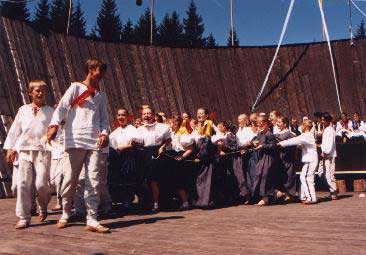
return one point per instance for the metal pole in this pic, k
(350, 22)
(151, 21)
(69, 18)
(232, 22)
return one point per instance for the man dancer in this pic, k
(328, 155)
(84, 109)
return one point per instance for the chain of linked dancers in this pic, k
(154, 160)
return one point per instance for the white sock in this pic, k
(156, 205)
(185, 204)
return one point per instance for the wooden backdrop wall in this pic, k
(175, 80)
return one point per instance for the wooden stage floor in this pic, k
(330, 227)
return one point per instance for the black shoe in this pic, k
(155, 210)
(34, 212)
(184, 208)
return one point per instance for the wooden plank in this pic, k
(131, 86)
(215, 82)
(77, 60)
(17, 60)
(174, 80)
(150, 79)
(189, 105)
(39, 62)
(164, 65)
(192, 81)
(50, 69)
(68, 62)
(10, 98)
(121, 90)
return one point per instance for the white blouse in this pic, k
(154, 134)
(28, 131)
(181, 142)
(245, 135)
(122, 136)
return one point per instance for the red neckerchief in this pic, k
(81, 99)
(35, 109)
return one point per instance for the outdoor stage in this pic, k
(330, 227)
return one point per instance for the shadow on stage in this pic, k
(124, 224)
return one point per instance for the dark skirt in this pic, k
(180, 172)
(251, 170)
(287, 158)
(204, 173)
(123, 177)
(240, 171)
(203, 180)
(151, 167)
(266, 177)
(225, 185)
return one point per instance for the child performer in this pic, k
(309, 158)
(27, 131)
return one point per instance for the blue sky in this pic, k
(257, 22)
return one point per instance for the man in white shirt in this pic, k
(26, 137)
(328, 155)
(84, 109)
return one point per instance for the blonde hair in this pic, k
(307, 123)
(36, 83)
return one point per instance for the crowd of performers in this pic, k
(158, 160)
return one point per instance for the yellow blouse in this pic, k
(207, 129)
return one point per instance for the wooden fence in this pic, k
(225, 80)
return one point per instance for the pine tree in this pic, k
(361, 32)
(142, 29)
(170, 31)
(42, 21)
(194, 28)
(128, 35)
(77, 26)
(236, 39)
(93, 34)
(58, 14)
(15, 9)
(109, 25)
(211, 42)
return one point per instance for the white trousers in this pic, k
(14, 186)
(104, 196)
(327, 166)
(34, 167)
(74, 161)
(307, 182)
(56, 177)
